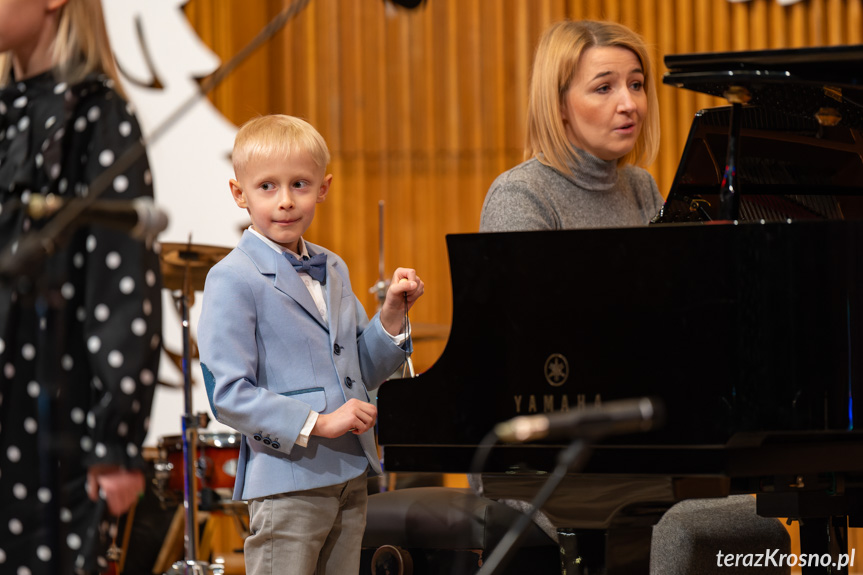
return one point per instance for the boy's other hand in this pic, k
(405, 282)
(355, 416)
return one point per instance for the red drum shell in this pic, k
(216, 465)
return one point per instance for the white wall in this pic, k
(155, 46)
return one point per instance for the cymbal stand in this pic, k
(190, 423)
(380, 288)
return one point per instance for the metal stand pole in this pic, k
(191, 423)
(190, 444)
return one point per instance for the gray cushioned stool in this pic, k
(690, 534)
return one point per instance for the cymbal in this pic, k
(178, 259)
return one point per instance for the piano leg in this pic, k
(822, 514)
(616, 551)
(823, 536)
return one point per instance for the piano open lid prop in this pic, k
(750, 332)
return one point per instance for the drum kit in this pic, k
(197, 468)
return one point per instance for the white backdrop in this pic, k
(160, 56)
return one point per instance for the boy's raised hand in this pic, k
(405, 282)
(355, 416)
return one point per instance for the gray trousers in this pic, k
(314, 532)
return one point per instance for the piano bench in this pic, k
(445, 530)
(691, 533)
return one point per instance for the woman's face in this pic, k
(604, 107)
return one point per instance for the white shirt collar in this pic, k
(301, 245)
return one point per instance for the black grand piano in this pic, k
(741, 307)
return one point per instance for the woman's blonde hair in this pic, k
(277, 135)
(554, 68)
(81, 46)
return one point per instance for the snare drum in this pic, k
(216, 465)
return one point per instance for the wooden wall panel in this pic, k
(423, 108)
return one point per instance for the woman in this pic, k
(593, 124)
(592, 120)
(80, 337)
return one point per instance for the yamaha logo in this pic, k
(556, 370)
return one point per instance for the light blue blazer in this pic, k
(268, 359)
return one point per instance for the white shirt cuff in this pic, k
(306, 431)
(400, 338)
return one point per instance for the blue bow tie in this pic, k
(316, 266)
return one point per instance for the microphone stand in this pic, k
(575, 455)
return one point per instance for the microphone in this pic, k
(611, 418)
(140, 218)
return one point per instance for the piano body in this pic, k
(741, 307)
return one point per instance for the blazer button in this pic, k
(275, 445)
(349, 382)
(257, 437)
(337, 349)
(267, 441)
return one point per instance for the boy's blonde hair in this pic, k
(81, 46)
(277, 135)
(554, 68)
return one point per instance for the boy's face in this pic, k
(280, 195)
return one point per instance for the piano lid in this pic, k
(800, 148)
(800, 82)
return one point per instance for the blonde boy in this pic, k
(289, 355)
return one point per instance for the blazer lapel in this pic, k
(332, 290)
(285, 279)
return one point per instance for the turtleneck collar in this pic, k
(591, 173)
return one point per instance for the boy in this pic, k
(288, 356)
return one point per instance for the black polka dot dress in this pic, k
(79, 346)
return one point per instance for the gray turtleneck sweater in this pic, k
(533, 196)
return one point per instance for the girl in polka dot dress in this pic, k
(64, 121)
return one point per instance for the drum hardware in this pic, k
(195, 568)
(116, 555)
(184, 269)
(182, 263)
(162, 472)
(418, 331)
(192, 467)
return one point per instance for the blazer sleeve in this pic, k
(379, 356)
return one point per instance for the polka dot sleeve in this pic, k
(120, 311)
